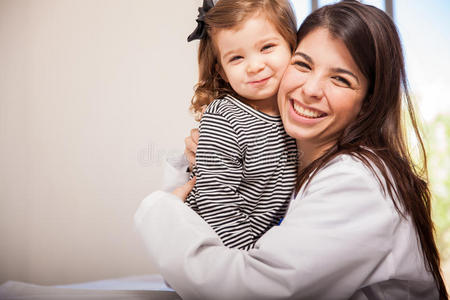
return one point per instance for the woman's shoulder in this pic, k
(347, 186)
(360, 164)
(356, 172)
(346, 163)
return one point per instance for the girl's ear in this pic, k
(221, 72)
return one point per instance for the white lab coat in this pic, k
(341, 239)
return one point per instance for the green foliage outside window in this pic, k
(438, 148)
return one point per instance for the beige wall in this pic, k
(92, 93)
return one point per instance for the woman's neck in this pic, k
(309, 152)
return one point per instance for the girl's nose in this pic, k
(255, 64)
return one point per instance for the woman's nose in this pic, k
(312, 88)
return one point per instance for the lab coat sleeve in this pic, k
(334, 240)
(175, 172)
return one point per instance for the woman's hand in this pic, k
(191, 143)
(183, 191)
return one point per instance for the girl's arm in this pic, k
(218, 170)
(336, 239)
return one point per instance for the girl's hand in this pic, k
(183, 191)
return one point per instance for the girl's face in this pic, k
(253, 58)
(321, 92)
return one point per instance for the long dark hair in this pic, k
(373, 41)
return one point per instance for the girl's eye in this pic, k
(267, 47)
(302, 64)
(235, 58)
(342, 80)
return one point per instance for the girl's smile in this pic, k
(253, 58)
(260, 82)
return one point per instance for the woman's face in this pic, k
(322, 90)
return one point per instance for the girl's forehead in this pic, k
(239, 24)
(252, 31)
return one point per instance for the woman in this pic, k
(359, 226)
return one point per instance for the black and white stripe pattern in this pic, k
(246, 170)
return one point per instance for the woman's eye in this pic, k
(302, 64)
(267, 47)
(342, 80)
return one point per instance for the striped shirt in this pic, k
(246, 167)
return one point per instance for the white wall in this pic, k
(92, 93)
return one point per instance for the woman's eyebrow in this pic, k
(340, 70)
(305, 56)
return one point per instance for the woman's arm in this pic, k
(177, 168)
(335, 239)
(175, 172)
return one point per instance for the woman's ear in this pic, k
(221, 72)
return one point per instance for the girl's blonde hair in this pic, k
(228, 14)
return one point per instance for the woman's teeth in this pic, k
(304, 112)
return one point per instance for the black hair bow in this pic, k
(200, 30)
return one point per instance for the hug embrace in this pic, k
(303, 185)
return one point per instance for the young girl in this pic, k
(245, 163)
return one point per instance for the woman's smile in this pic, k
(321, 92)
(306, 112)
